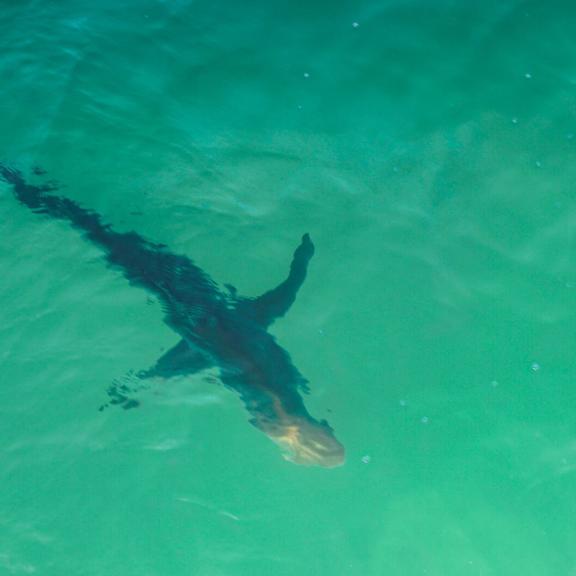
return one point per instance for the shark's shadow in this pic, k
(217, 329)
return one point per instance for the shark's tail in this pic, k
(28, 194)
(10, 175)
(42, 200)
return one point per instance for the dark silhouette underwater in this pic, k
(217, 329)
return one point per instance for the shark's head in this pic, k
(310, 443)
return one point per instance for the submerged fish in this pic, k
(217, 329)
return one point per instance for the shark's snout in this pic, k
(310, 443)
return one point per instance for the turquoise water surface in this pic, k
(429, 149)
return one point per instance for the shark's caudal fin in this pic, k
(142, 262)
(276, 302)
(40, 199)
(29, 195)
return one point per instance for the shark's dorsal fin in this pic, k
(276, 302)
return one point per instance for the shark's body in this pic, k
(216, 328)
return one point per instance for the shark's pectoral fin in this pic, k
(276, 302)
(181, 360)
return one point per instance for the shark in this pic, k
(216, 328)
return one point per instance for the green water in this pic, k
(429, 150)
